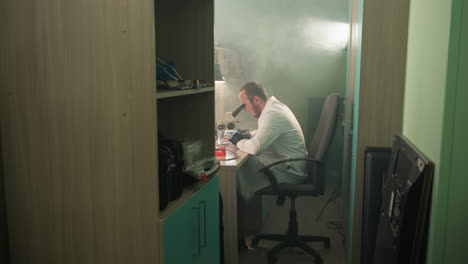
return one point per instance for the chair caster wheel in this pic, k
(254, 242)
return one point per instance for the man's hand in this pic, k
(244, 133)
(236, 138)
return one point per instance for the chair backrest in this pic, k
(322, 138)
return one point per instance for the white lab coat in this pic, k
(279, 136)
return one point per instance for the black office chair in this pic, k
(313, 186)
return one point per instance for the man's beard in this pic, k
(257, 111)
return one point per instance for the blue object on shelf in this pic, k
(165, 72)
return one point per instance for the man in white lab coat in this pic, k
(278, 136)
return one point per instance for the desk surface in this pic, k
(230, 159)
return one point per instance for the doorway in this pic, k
(299, 53)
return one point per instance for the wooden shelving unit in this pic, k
(81, 118)
(185, 37)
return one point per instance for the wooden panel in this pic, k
(78, 112)
(4, 245)
(382, 80)
(227, 184)
(228, 190)
(185, 31)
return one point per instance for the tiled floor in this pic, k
(307, 210)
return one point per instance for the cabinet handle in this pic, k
(197, 253)
(204, 222)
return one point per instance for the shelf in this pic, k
(160, 94)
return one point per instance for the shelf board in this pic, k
(160, 94)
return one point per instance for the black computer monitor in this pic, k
(404, 215)
(376, 162)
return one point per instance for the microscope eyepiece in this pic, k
(237, 111)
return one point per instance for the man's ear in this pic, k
(256, 99)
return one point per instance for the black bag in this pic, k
(171, 166)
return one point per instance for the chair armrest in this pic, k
(266, 170)
(288, 160)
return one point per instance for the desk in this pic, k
(228, 189)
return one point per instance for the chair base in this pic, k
(292, 239)
(289, 240)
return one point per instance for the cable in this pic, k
(163, 62)
(232, 152)
(168, 73)
(337, 226)
(227, 150)
(332, 197)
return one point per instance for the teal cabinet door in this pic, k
(181, 235)
(191, 233)
(208, 201)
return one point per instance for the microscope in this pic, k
(227, 127)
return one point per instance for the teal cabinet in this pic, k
(191, 233)
(208, 202)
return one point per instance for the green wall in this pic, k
(426, 71)
(455, 250)
(424, 97)
(433, 114)
(426, 74)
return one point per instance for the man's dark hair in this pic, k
(254, 89)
